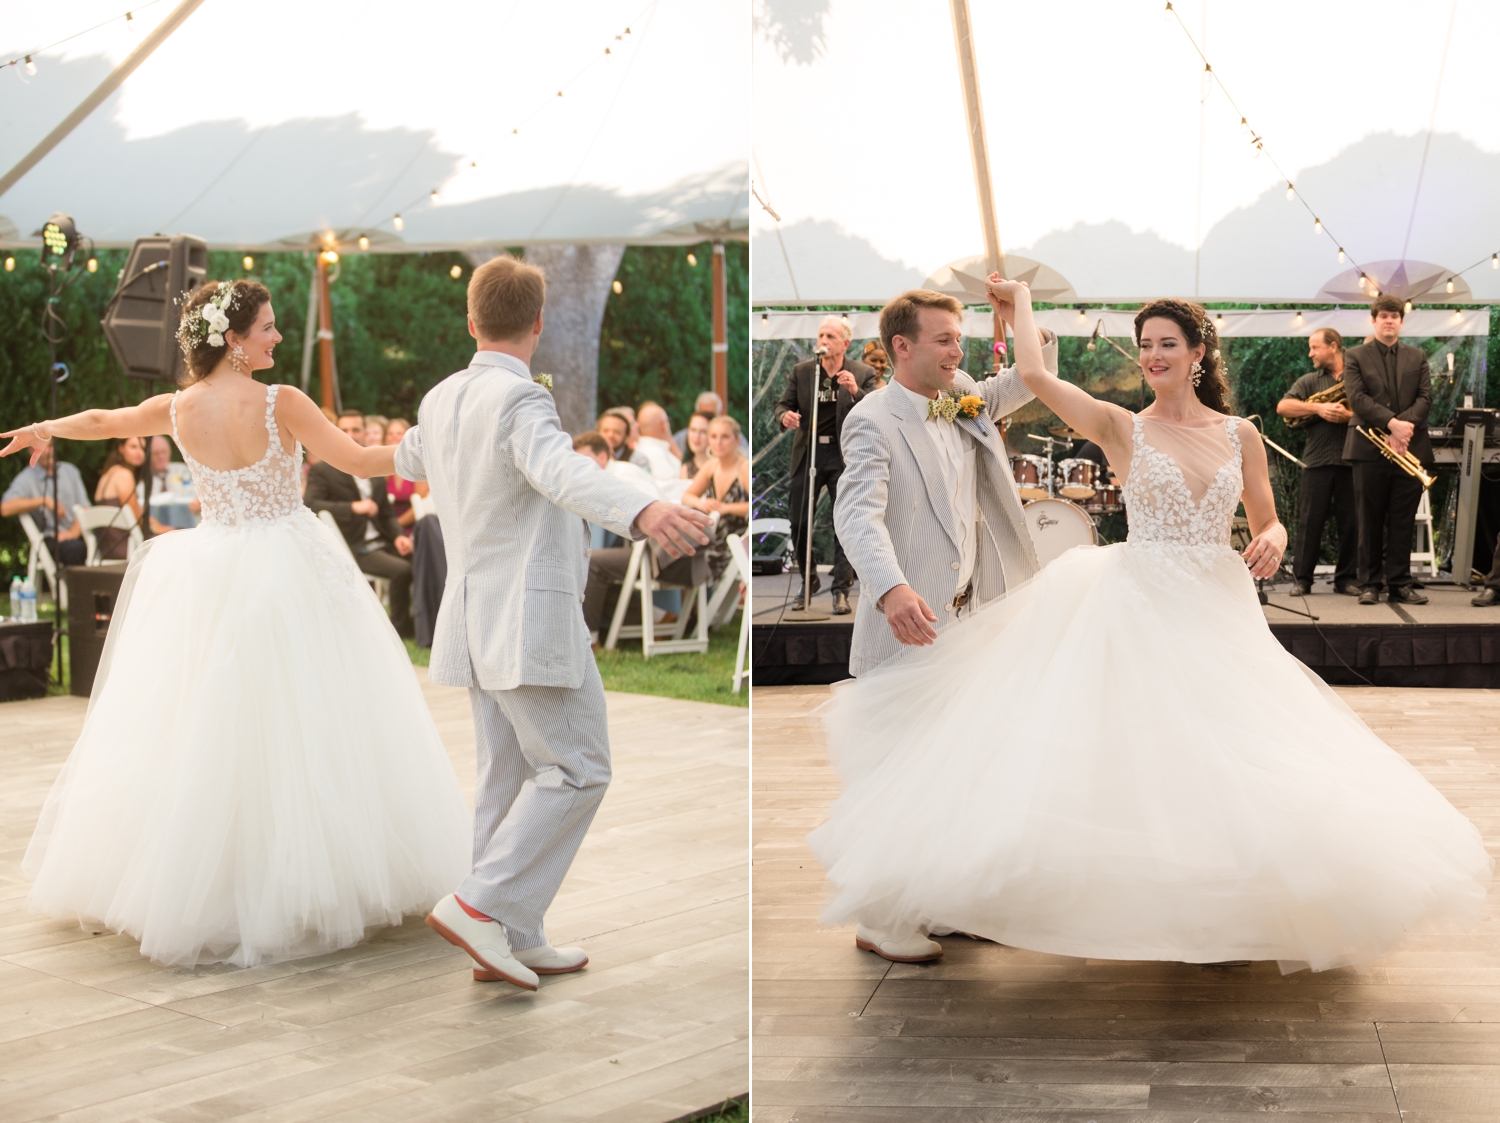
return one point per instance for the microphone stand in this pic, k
(808, 572)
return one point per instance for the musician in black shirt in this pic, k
(1327, 478)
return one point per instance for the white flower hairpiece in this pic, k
(212, 320)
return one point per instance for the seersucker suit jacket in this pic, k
(895, 520)
(510, 491)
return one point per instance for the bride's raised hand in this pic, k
(1004, 294)
(23, 438)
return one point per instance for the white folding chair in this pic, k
(739, 550)
(91, 519)
(422, 506)
(726, 596)
(40, 561)
(381, 585)
(638, 578)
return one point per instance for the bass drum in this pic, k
(1056, 526)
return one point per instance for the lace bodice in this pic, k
(1160, 506)
(257, 494)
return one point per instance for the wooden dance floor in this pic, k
(994, 1033)
(395, 1029)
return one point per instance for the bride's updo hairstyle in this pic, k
(1213, 388)
(194, 334)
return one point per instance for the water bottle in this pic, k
(28, 603)
(15, 598)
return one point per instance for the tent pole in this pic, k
(963, 38)
(310, 337)
(325, 338)
(721, 337)
(116, 77)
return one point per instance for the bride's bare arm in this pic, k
(1105, 424)
(1269, 542)
(305, 421)
(150, 418)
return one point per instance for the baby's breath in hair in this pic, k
(211, 321)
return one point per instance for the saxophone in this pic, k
(1335, 394)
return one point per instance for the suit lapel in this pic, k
(928, 465)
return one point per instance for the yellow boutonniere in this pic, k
(970, 405)
(544, 381)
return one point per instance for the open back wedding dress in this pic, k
(258, 776)
(1119, 760)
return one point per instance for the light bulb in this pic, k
(1363, 281)
(1290, 193)
(93, 265)
(1341, 255)
(330, 257)
(130, 22)
(456, 272)
(1244, 125)
(618, 288)
(559, 93)
(1219, 322)
(1082, 315)
(10, 264)
(1167, 14)
(364, 242)
(398, 222)
(1317, 226)
(1495, 261)
(692, 259)
(248, 263)
(845, 319)
(765, 317)
(30, 66)
(1299, 317)
(433, 194)
(1457, 315)
(1408, 306)
(1450, 284)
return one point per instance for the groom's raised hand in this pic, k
(675, 528)
(909, 617)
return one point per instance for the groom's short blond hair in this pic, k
(505, 295)
(903, 316)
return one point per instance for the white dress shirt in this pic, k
(955, 451)
(371, 534)
(655, 456)
(636, 477)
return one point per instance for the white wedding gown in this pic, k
(258, 776)
(1118, 760)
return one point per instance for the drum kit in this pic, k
(1063, 502)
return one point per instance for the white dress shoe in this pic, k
(544, 959)
(484, 940)
(908, 948)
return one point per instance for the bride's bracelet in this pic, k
(37, 433)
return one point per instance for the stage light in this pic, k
(398, 222)
(364, 242)
(1341, 255)
(1317, 226)
(1290, 192)
(693, 259)
(618, 288)
(330, 257)
(59, 240)
(1450, 284)
(93, 265)
(1408, 306)
(248, 262)
(10, 264)
(456, 272)
(30, 67)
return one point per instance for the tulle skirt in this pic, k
(1118, 760)
(258, 776)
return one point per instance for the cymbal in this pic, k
(1066, 433)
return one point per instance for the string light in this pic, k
(845, 319)
(1317, 226)
(248, 262)
(1082, 315)
(398, 222)
(765, 317)
(364, 242)
(1291, 192)
(433, 195)
(693, 259)
(93, 265)
(1341, 255)
(1219, 322)
(1457, 315)
(1495, 261)
(1299, 317)
(1408, 306)
(330, 257)
(1167, 15)
(30, 67)
(456, 272)
(1450, 284)
(618, 288)
(128, 17)
(10, 264)
(1363, 281)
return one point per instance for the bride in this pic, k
(1117, 759)
(258, 777)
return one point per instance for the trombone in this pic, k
(1403, 460)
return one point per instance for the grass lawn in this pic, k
(696, 678)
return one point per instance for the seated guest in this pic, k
(710, 406)
(874, 356)
(614, 426)
(30, 493)
(363, 511)
(117, 482)
(375, 427)
(607, 566)
(697, 454)
(654, 451)
(168, 476)
(401, 490)
(722, 488)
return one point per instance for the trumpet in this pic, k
(1403, 460)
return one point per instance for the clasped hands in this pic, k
(1401, 433)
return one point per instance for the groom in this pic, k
(510, 492)
(927, 509)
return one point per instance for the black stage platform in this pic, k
(1445, 643)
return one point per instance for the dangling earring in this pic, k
(1197, 374)
(240, 363)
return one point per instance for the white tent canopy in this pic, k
(1093, 122)
(265, 128)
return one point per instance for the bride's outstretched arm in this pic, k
(1105, 424)
(150, 418)
(296, 412)
(1269, 544)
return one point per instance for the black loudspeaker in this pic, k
(25, 659)
(92, 592)
(141, 320)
